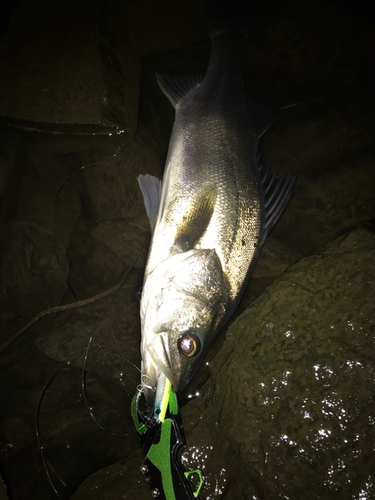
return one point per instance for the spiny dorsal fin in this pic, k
(196, 219)
(151, 189)
(176, 88)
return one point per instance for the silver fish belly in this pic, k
(209, 221)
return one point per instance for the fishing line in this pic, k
(88, 407)
(54, 479)
(56, 309)
(51, 473)
(46, 464)
(83, 378)
(53, 209)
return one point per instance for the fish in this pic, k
(209, 216)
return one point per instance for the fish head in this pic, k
(180, 310)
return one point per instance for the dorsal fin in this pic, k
(151, 189)
(177, 88)
(277, 191)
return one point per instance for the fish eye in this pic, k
(188, 345)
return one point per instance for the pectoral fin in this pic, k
(151, 189)
(196, 219)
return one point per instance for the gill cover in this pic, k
(201, 276)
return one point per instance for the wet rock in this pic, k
(33, 276)
(17, 433)
(51, 204)
(292, 386)
(128, 239)
(54, 190)
(78, 43)
(65, 215)
(3, 490)
(99, 333)
(296, 41)
(34, 265)
(95, 51)
(275, 258)
(119, 481)
(332, 152)
(93, 265)
(111, 179)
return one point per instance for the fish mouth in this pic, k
(156, 362)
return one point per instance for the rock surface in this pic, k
(292, 385)
(119, 481)
(94, 50)
(288, 411)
